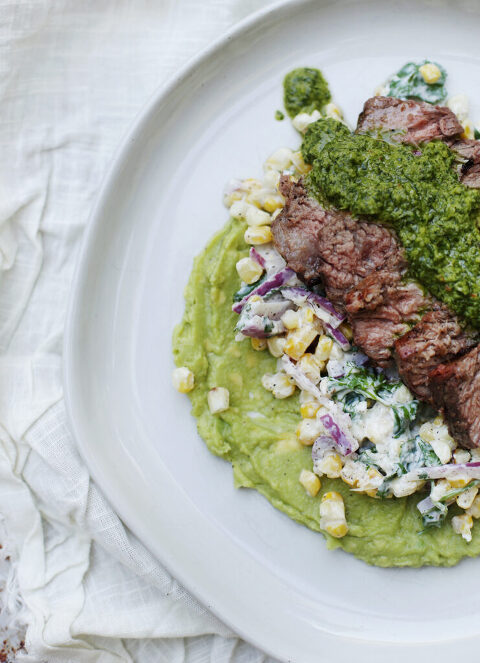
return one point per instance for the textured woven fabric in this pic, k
(73, 75)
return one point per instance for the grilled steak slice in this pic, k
(455, 389)
(436, 339)
(380, 309)
(331, 246)
(420, 122)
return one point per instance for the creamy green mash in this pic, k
(257, 433)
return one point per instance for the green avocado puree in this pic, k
(415, 190)
(257, 433)
(305, 90)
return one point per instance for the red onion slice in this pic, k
(254, 255)
(342, 440)
(277, 280)
(342, 340)
(322, 307)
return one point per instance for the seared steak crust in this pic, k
(329, 245)
(455, 390)
(381, 308)
(419, 122)
(436, 339)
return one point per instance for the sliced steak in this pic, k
(436, 339)
(331, 246)
(455, 389)
(419, 122)
(382, 308)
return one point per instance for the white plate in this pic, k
(272, 580)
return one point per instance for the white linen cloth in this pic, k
(73, 75)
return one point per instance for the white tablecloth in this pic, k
(73, 75)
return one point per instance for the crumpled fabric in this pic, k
(73, 76)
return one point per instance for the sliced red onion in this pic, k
(276, 281)
(450, 470)
(257, 326)
(273, 260)
(322, 307)
(254, 255)
(342, 340)
(344, 442)
(269, 308)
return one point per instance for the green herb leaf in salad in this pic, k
(409, 83)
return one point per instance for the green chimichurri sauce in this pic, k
(417, 191)
(305, 90)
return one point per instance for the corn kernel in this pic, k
(218, 400)
(463, 525)
(465, 499)
(474, 509)
(331, 465)
(271, 178)
(249, 270)
(239, 209)
(300, 165)
(280, 159)
(436, 433)
(323, 349)
(257, 217)
(311, 369)
(337, 529)
(401, 487)
(302, 120)
(231, 198)
(332, 515)
(278, 384)
(271, 204)
(468, 130)
(460, 481)
(259, 343)
(308, 430)
(461, 456)
(333, 111)
(309, 409)
(291, 319)
(258, 235)
(183, 379)
(299, 340)
(275, 345)
(440, 489)
(310, 482)
(430, 73)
